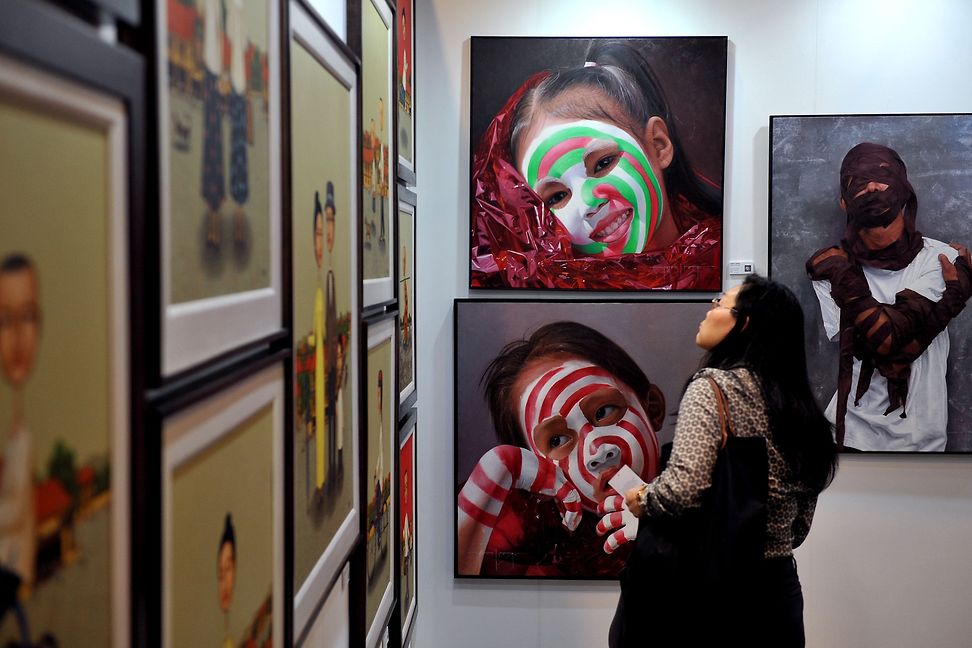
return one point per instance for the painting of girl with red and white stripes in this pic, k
(569, 408)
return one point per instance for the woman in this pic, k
(754, 338)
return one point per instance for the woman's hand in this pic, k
(633, 500)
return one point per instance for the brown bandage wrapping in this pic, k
(884, 337)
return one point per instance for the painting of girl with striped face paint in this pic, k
(586, 177)
(569, 407)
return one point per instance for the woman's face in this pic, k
(588, 421)
(720, 319)
(599, 180)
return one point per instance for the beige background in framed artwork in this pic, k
(218, 148)
(376, 138)
(55, 191)
(321, 177)
(231, 477)
(381, 436)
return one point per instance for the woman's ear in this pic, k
(745, 323)
(657, 139)
(654, 404)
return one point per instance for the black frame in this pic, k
(56, 42)
(609, 294)
(930, 187)
(670, 405)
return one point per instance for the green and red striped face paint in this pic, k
(596, 179)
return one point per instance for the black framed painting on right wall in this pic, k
(868, 219)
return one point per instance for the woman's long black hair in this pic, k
(768, 340)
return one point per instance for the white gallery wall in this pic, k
(889, 559)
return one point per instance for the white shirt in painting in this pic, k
(866, 425)
(17, 544)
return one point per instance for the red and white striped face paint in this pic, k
(590, 423)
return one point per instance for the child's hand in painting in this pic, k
(507, 467)
(950, 271)
(501, 470)
(617, 517)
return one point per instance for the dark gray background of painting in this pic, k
(692, 71)
(805, 157)
(659, 337)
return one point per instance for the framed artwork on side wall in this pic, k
(71, 160)
(870, 206)
(597, 163)
(405, 89)
(219, 141)
(407, 370)
(380, 494)
(616, 370)
(324, 200)
(407, 488)
(223, 538)
(377, 191)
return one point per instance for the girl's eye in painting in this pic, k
(601, 157)
(553, 438)
(604, 411)
(557, 200)
(605, 406)
(554, 193)
(604, 164)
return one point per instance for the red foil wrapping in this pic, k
(516, 242)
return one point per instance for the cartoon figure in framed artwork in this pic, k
(378, 507)
(226, 573)
(20, 329)
(218, 149)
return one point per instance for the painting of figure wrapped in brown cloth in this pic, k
(869, 223)
(597, 164)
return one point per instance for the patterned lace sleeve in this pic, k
(801, 524)
(696, 445)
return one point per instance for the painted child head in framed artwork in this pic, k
(20, 318)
